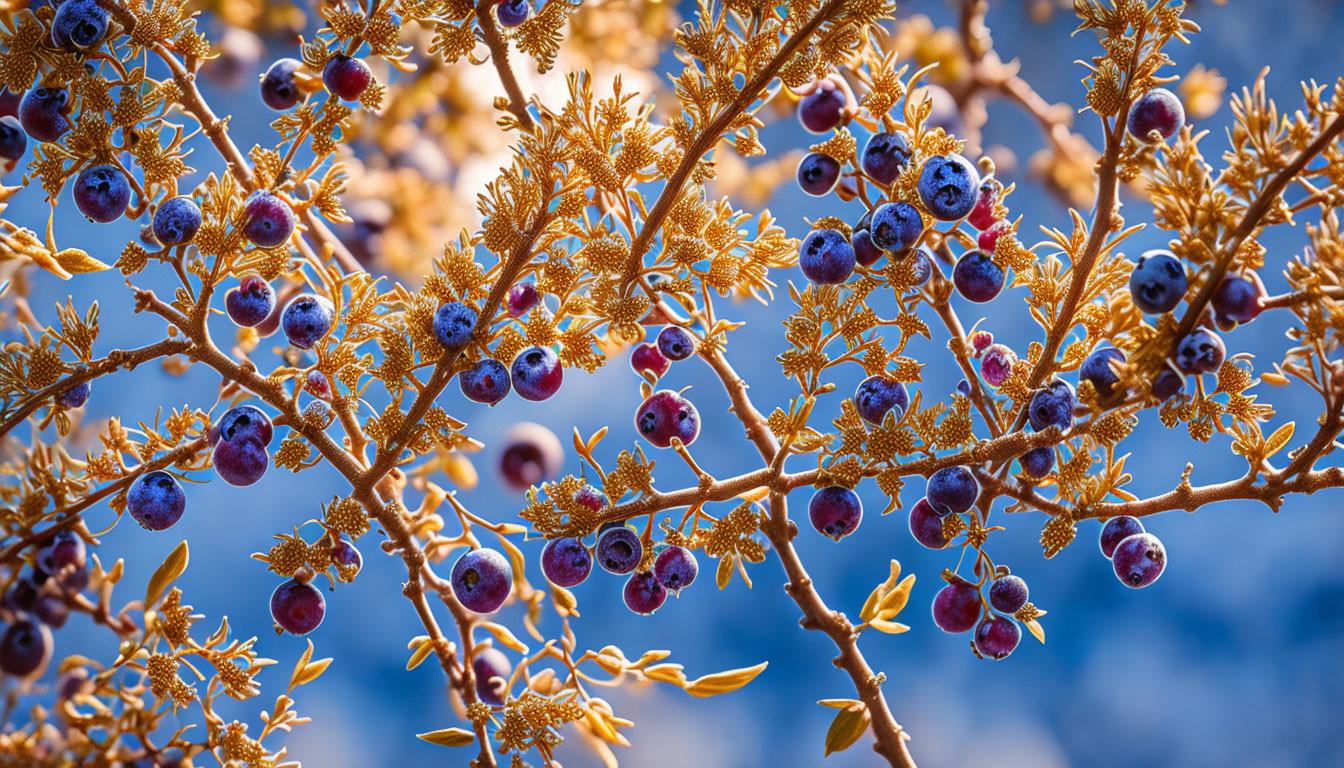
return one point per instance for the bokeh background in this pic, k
(1233, 658)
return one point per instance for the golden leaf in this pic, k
(848, 725)
(166, 573)
(448, 737)
(888, 627)
(78, 262)
(1279, 439)
(1036, 630)
(724, 572)
(422, 652)
(724, 682)
(505, 637)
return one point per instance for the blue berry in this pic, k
(249, 304)
(454, 324)
(885, 157)
(486, 382)
(75, 396)
(492, 670)
(1158, 282)
(25, 648)
(297, 607)
(246, 422)
(347, 559)
(665, 415)
(643, 593)
(676, 568)
(826, 257)
(1237, 300)
(482, 579)
(619, 550)
(824, 108)
(977, 277)
(876, 395)
(818, 174)
(532, 453)
(996, 637)
(307, 319)
(676, 343)
(926, 525)
(956, 607)
(835, 512)
(1157, 110)
(952, 489)
(1139, 560)
(511, 13)
(1116, 530)
(1097, 369)
(1008, 594)
(278, 89)
(1053, 406)
(566, 562)
(537, 373)
(866, 251)
(79, 25)
(948, 186)
(42, 113)
(268, 220)
(102, 193)
(1038, 462)
(156, 500)
(1201, 351)
(177, 221)
(896, 226)
(346, 76)
(241, 461)
(13, 141)
(1168, 384)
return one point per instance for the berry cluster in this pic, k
(40, 601)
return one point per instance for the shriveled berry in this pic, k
(926, 525)
(1116, 530)
(824, 108)
(75, 396)
(1053, 406)
(835, 511)
(566, 562)
(643, 593)
(482, 579)
(13, 141)
(1237, 300)
(982, 215)
(42, 113)
(977, 277)
(996, 364)
(511, 13)
(885, 157)
(532, 453)
(156, 500)
(876, 395)
(1098, 369)
(866, 251)
(307, 320)
(246, 421)
(1008, 594)
(177, 221)
(952, 489)
(25, 648)
(980, 341)
(522, 298)
(492, 670)
(241, 461)
(818, 174)
(297, 607)
(1158, 282)
(485, 382)
(996, 637)
(102, 193)
(454, 323)
(618, 550)
(251, 302)
(665, 415)
(826, 257)
(1139, 560)
(79, 25)
(1201, 351)
(676, 568)
(676, 343)
(537, 373)
(268, 220)
(346, 76)
(278, 89)
(1038, 462)
(896, 226)
(956, 607)
(948, 186)
(647, 358)
(1157, 110)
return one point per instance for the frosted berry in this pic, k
(65, 549)
(618, 550)
(347, 559)
(241, 461)
(1116, 530)
(156, 500)
(592, 498)
(996, 364)
(956, 607)
(1201, 351)
(1157, 110)
(75, 396)
(826, 257)
(1053, 406)
(454, 323)
(177, 221)
(566, 562)
(25, 648)
(824, 108)
(1139, 560)
(269, 221)
(818, 174)
(676, 343)
(1237, 300)
(532, 453)
(42, 113)
(102, 193)
(297, 607)
(1158, 282)
(1038, 462)
(537, 373)
(835, 512)
(511, 13)
(982, 215)
(522, 298)
(485, 382)
(926, 525)
(1008, 594)
(79, 25)
(952, 489)
(885, 157)
(246, 421)
(996, 637)
(346, 76)
(665, 415)
(278, 88)
(977, 277)
(13, 141)
(1097, 368)
(643, 593)
(307, 319)
(876, 395)
(921, 266)
(1168, 384)
(896, 226)
(866, 251)
(482, 579)
(487, 664)
(676, 568)
(988, 240)
(647, 358)
(251, 302)
(948, 186)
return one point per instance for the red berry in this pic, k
(346, 76)
(297, 607)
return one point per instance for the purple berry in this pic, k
(618, 550)
(482, 579)
(926, 525)
(676, 568)
(996, 364)
(79, 25)
(1139, 560)
(278, 88)
(251, 302)
(1053, 406)
(177, 221)
(1168, 384)
(665, 415)
(835, 512)
(317, 384)
(952, 490)
(921, 268)
(982, 215)
(956, 607)
(676, 343)
(1157, 110)
(269, 221)
(347, 559)
(42, 113)
(896, 226)
(486, 382)
(866, 251)
(246, 421)
(876, 395)
(75, 396)
(885, 157)
(102, 193)
(1097, 368)
(826, 257)
(25, 648)
(307, 319)
(647, 357)
(977, 277)
(591, 498)
(1116, 530)
(948, 186)
(9, 102)
(532, 453)
(824, 108)
(996, 637)
(511, 13)
(22, 593)
(454, 324)
(537, 373)
(297, 607)
(156, 500)
(13, 141)
(1038, 462)
(818, 174)
(980, 341)
(522, 298)
(1201, 351)
(643, 593)
(1158, 282)
(63, 550)
(1008, 594)
(51, 610)
(487, 664)
(566, 562)
(241, 461)
(346, 76)
(1237, 300)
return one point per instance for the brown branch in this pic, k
(499, 56)
(1288, 300)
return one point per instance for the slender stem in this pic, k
(499, 56)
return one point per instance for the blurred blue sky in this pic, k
(1232, 659)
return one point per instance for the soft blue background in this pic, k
(1232, 659)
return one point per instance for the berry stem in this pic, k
(499, 56)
